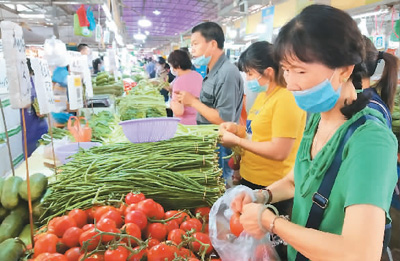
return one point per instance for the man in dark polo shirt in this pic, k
(221, 96)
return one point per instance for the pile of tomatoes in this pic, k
(138, 229)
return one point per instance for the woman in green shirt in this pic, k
(318, 50)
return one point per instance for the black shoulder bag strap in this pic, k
(320, 198)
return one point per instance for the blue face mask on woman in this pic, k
(320, 98)
(255, 86)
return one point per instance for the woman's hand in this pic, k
(250, 216)
(229, 139)
(229, 126)
(240, 200)
(184, 97)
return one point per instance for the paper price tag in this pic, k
(75, 62)
(3, 77)
(14, 55)
(43, 85)
(75, 92)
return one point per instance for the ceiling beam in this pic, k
(8, 9)
(52, 2)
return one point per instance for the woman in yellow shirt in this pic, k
(274, 127)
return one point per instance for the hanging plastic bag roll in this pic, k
(230, 247)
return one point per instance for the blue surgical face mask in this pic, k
(320, 98)
(255, 86)
(201, 61)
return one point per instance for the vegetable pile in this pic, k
(58, 134)
(14, 212)
(137, 229)
(179, 173)
(107, 84)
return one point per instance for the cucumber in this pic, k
(25, 235)
(38, 183)
(37, 210)
(11, 249)
(9, 195)
(3, 213)
(13, 224)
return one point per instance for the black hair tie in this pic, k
(380, 55)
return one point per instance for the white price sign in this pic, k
(3, 77)
(76, 62)
(14, 54)
(75, 92)
(43, 85)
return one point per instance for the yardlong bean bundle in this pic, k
(178, 173)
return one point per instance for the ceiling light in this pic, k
(156, 12)
(146, 32)
(11, 6)
(21, 8)
(139, 36)
(379, 12)
(130, 46)
(32, 16)
(144, 22)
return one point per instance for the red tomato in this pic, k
(161, 252)
(184, 252)
(42, 257)
(62, 224)
(73, 254)
(235, 225)
(176, 235)
(159, 213)
(171, 225)
(152, 242)
(107, 225)
(61, 247)
(46, 244)
(181, 217)
(132, 198)
(130, 208)
(101, 211)
(193, 259)
(204, 212)
(71, 237)
(122, 209)
(133, 230)
(87, 227)
(119, 254)
(79, 216)
(205, 239)
(51, 257)
(148, 207)
(90, 236)
(139, 255)
(90, 213)
(95, 257)
(157, 231)
(192, 223)
(137, 217)
(114, 215)
(51, 225)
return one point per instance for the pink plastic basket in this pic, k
(150, 129)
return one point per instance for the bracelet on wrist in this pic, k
(266, 194)
(272, 224)
(260, 213)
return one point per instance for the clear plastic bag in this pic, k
(55, 52)
(228, 246)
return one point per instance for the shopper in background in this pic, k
(98, 65)
(150, 68)
(318, 50)
(275, 123)
(161, 69)
(382, 94)
(221, 96)
(84, 49)
(186, 80)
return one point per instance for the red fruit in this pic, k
(171, 225)
(235, 225)
(186, 253)
(132, 198)
(205, 239)
(137, 217)
(107, 225)
(119, 254)
(161, 252)
(157, 231)
(233, 165)
(46, 244)
(130, 208)
(133, 230)
(114, 215)
(71, 237)
(190, 224)
(95, 257)
(152, 242)
(139, 255)
(73, 254)
(159, 214)
(204, 212)
(62, 224)
(90, 236)
(148, 207)
(79, 216)
(176, 235)
(101, 211)
(87, 227)
(181, 217)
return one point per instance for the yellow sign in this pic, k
(77, 82)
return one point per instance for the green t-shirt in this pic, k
(367, 175)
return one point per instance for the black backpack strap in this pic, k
(321, 197)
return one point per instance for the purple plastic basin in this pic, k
(150, 129)
(64, 151)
